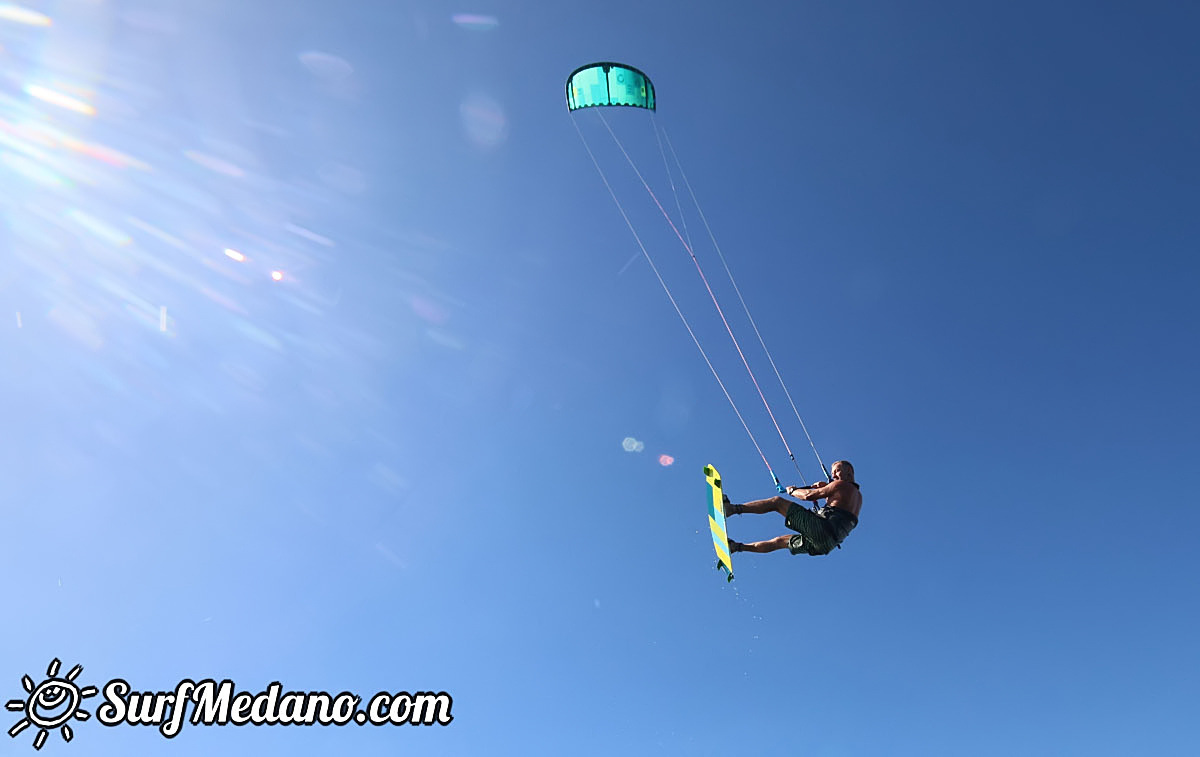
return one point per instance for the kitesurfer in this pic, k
(819, 530)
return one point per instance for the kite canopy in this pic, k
(606, 84)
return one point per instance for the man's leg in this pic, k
(758, 507)
(762, 547)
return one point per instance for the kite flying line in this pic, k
(601, 85)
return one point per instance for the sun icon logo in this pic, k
(51, 704)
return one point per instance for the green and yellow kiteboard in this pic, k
(716, 521)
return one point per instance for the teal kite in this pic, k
(606, 84)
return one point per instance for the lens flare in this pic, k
(483, 120)
(19, 15)
(326, 66)
(47, 95)
(475, 21)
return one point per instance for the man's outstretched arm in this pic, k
(813, 493)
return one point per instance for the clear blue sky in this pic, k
(967, 232)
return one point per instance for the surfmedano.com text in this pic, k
(219, 704)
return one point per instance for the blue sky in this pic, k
(321, 339)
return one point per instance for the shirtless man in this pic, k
(818, 531)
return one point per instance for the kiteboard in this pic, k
(716, 521)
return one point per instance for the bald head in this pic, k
(843, 470)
